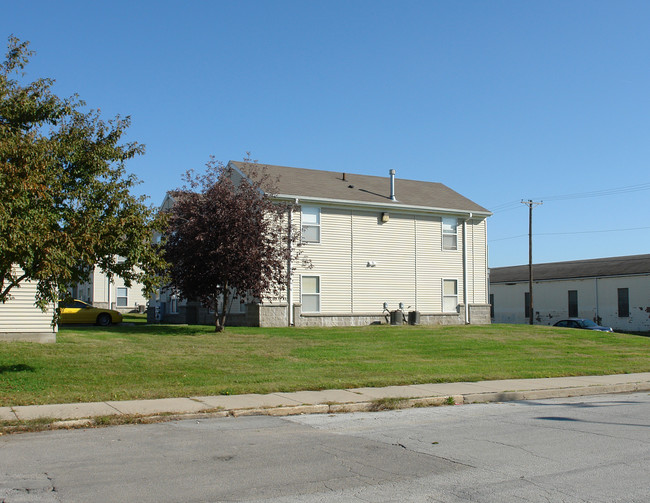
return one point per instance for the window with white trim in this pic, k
(449, 233)
(310, 221)
(122, 296)
(310, 293)
(449, 295)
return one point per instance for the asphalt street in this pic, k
(594, 449)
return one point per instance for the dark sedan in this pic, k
(582, 323)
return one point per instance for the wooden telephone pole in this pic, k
(530, 203)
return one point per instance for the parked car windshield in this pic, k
(587, 323)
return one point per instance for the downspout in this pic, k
(465, 281)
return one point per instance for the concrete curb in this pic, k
(82, 415)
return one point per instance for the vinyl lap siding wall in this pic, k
(390, 247)
(477, 261)
(331, 260)
(20, 319)
(363, 262)
(428, 243)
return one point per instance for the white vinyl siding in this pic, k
(332, 260)
(365, 262)
(476, 261)
(429, 260)
(20, 315)
(98, 289)
(389, 248)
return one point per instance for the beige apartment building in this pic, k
(372, 242)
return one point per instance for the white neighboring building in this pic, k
(114, 294)
(613, 292)
(21, 320)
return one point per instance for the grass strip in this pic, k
(142, 361)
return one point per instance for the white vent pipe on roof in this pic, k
(392, 185)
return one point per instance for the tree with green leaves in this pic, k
(65, 196)
(228, 239)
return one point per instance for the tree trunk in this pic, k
(220, 316)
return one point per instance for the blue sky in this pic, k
(499, 100)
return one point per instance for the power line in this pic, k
(600, 193)
(569, 233)
(577, 195)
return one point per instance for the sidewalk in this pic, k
(333, 401)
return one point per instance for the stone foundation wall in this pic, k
(193, 313)
(276, 315)
(42, 337)
(479, 314)
(268, 315)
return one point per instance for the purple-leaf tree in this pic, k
(227, 238)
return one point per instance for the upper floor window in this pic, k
(310, 224)
(449, 233)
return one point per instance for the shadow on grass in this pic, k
(19, 367)
(141, 328)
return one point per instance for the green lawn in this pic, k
(136, 360)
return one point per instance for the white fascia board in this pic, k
(382, 206)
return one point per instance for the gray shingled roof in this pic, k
(300, 182)
(611, 266)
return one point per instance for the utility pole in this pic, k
(530, 203)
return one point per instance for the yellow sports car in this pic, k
(76, 311)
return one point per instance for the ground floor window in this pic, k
(491, 305)
(173, 303)
(237, 307)
(527, 305)
(122, 296)
(573, 303)
(449, 295)
(623, 303)
(310, 293)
